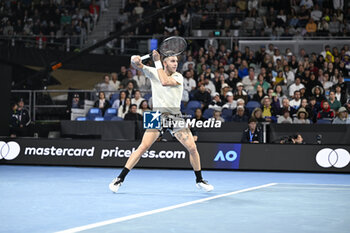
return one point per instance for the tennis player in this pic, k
(167, 88)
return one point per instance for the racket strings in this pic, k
(173, 46)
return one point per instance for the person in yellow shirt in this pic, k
(311, 27)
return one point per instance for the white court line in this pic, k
(310, 184)
(133, 216)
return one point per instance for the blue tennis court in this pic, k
(70, 199)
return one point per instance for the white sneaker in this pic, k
(115, 184)
(204, 185)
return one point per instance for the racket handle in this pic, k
(145, 57)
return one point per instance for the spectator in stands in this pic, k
(327, 85)
(233, 79)
(217, 116)
(279, 93)
(243, 69)
(198, 115)
(225, 88)
(123, 73)
(203, 96)
(302, 117)
(296, 101)
(284, 118)
(261, 81)
(189, 83)
(14, 122)
(130, 90)
(124, 109)
(216, 103)
(279, 79)
(230, 102)
(240, 115)
(133, 115)
(102, 103)
(311, 28)
(334, 26)
(76, 102)
(313, 108)
(211, 42)
(119, 102)
(137, 98)
(339, 95)
(209, 86)
(259, 95)
(342, 117)
(333, 102)
(141, 81)
(114, 82)
(23, 118)
(240, 93)
(105, 86)
(286, 107)
(317, 92)
(325, 112)
(343, 85)
(257, 114)
(316, 14)
(249, 81)
(129, 78)
(143, 107)
(269, 113)
(252, 134)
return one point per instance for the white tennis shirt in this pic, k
(165, 98)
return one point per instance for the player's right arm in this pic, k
(136, 62)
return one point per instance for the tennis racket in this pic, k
(171, 46)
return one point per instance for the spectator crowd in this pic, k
(49, 22)
(269, 85)
(277, 19)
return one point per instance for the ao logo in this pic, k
(229, 156)
(338, 158)
(9, 150)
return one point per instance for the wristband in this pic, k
(158, 65)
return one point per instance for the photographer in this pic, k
(294, 139)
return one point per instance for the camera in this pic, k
(319, 139)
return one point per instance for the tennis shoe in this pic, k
(115, 184)
(204, 185)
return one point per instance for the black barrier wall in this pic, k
(330, 134)
(220, 156)
(5, 88)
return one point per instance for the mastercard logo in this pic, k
(9, 150)
(338, 158)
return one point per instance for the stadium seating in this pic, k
(227, 114)
(147, 96)
(99, 119)
(94, 112)
(208, 113)
(251, 105)
(114, 97)
(116, 118)
(111, 112)
(193, 105)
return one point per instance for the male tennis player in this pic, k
(167, 88)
